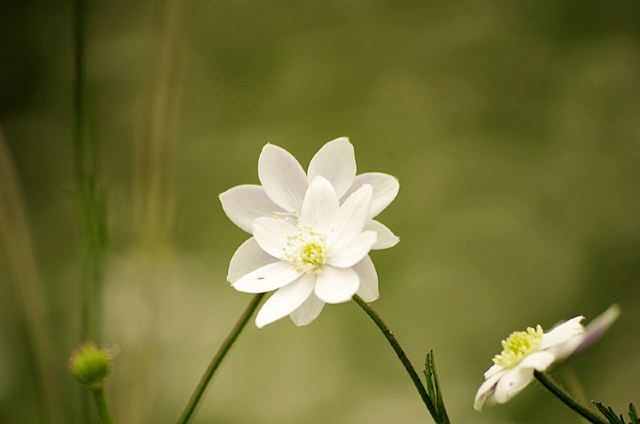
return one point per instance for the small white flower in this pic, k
(320, 258)
(523, 353)
(284, 184)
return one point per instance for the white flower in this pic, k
(284, 184)
(523, 353)
(321, 258)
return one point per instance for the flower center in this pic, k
(517, 346)
(305, 249)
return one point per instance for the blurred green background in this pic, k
(513, 127)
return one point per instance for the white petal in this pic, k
(247, 258)
(386, 238)
(286, 300)
(336, 285)
(598, 327)
(562, 333)
(385, 189)
(346, 255)
(308, 311)
(351, 217)
(512, 383)
(320, 205)
(368, 276)
(495, 369)
(539, 361)
(337, 163)
(244, 203)
(267, 278)
(486, 389)
(282, 177)
(271, 234)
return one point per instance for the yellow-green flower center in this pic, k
(305, 249)
(517, 346)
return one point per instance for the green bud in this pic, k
(90, 365)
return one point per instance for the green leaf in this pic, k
(633, 414)
(615, 418)
(433, 389)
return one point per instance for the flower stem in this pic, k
(217, 359)
(103, 408)
(400, 353)
(554, 388)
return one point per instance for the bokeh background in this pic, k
(513, 127)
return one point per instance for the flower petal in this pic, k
(486, 389)
(271, 234)
(598, 327)
(244, 203)
(562, 333)
(286, 300)
(539, 361)
(386, 238)
(337, 163)
(368, 276)
(267, 278)
(385, 189)
(512, 383)
(351, 217)
(347, 254)
(247, 258)
(495, 369)
(308, 311)
(336, 285)
(282, 177)
(320, 205)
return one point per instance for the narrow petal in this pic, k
(271, 234)
(286, 300)
(351, 217)
(248, 258)
(368, 276)
(562, 333)
(598, 327)
(386, 238)
(282, 177)
(337, 163)
(244, 203)
(495, 369)
(385, 189)
(486, 389)
(308, 311)
(539, 361)
(346, 255)
(320, 205)
(336, 285)
(267, 278)
(512, 383)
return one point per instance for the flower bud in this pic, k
(90, 365)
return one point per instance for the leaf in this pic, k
(433, 389)
(615, 418)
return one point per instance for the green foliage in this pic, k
(433, 388)
(615, 418)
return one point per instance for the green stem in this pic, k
(401, 355)
(554, 388)
(103, 408)
(189, 410)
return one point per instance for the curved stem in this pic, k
(554, 388)
(400, 353)
(103, 408)
(217, 359)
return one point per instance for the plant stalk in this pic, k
(402, 356)
(190, 409)
(565, 398)
(103, 407)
